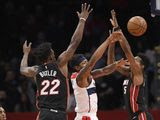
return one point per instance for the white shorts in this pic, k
(81, 116)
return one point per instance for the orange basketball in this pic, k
(137, 26)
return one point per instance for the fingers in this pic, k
(110, 32)
(88, 7)
(25, 44)
(85, 6)
(91, 10)
(82, 7)
(78, 13)
(30, 44)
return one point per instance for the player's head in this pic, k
(2, 113)
(142, 60)
(78, 62)
(44, 53)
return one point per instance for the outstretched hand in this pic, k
(85, 11)
(26, 49)
(121, 62)
(114, 37)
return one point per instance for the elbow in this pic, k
(22, 71)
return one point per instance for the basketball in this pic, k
(137, 26)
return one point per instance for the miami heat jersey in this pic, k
(86, 98)
(134, 96)
(51, 88)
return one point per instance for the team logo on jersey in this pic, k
(125, 82)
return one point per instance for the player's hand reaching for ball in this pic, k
(120, 63)
(118, 36)
(114, 37)
(26, 48)
(85, 11)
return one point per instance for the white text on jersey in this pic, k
(48, 73)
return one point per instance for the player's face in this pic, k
(2, 114)
(83, 63)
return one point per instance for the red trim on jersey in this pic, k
(136, 98)
(134, 91)
(145, 117)
(131, 95)
(38, 116)
(142, 116)
(86, 118)
(37, 94)
(74, 75)
(68, 91)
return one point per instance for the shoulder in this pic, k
(74, 75)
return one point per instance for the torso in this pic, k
(86, 98)
(134, 96)
(51, 88)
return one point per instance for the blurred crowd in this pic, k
(55, 21)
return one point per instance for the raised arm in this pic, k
(24, 69)
(107, 69)
(77, 36)
(111, 49)
(135, 68)
(85, 72)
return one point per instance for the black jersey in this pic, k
(134, 96)
(51, 88)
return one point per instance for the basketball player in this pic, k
(2, 114)
(83, 81)
(134, 87)
(51, 75)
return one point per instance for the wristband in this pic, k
(83, 19)
(116, 29)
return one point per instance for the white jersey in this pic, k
(86, 98)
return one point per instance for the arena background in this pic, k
(55, 21)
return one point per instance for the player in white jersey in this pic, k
(83, 80)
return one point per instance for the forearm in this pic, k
(104, 71)
(126, 48)
(24, 61)
(77, 36)
(100, 51)
(110, 68)
(95, 57)
(75, 41)
(111, 54)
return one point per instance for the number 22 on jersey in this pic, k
(46, 85)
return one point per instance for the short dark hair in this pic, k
(42, 52)
(76, 60)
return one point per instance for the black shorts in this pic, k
(143, 116)
(50, 114)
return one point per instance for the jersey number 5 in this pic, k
(46, 85)
(125, 89)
